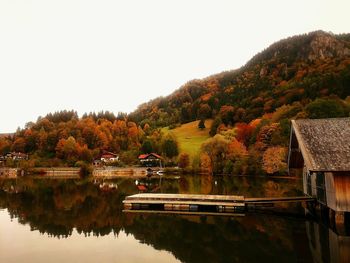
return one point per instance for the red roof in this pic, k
(145, 156)
(105, 153)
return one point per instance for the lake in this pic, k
(70, 220)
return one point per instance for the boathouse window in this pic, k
(321, 187)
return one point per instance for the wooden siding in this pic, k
(342, 191)
(331, 199)
(338, 191)
(295, 157)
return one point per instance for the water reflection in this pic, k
(77, 212)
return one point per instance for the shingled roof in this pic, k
(324, 143)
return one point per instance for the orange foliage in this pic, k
(274, 160)
(243, 132)
(206, 163)
(236, 150)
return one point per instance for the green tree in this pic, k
(201, 124)
(214, 126)
(170, 147)
(325, 108)
(147, 147)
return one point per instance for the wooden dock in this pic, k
(202, 204)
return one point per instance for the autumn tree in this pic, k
(184, 160)
(274, 160)
(216, 148)
(204, 111)
(206, 163)
(5, 146)
(226, 113)
(243, 132)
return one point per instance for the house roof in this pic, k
(110, 154)
(107, 155)
(324, 143)
(145, 156)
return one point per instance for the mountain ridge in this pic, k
(317, 58)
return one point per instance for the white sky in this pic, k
(92, 55)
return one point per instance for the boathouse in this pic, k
(150, 160)
(320, 148)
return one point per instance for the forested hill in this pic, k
(306, 76)
(300, 68)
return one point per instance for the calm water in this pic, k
(49, 220)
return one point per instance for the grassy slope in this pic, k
(189, 137)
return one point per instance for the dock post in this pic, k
(331, 218)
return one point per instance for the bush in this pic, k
(85, 169)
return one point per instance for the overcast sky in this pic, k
(93, 55)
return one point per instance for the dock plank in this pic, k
(183, 213)
(186, 197)
(279, 199)
(179, 202)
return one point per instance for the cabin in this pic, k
(106, 158)
(320, 150)
(16, 156)
(150, 160)
(109, 157)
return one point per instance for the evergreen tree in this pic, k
(201, 124)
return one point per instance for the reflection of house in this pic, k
(16, 156)
(8, 172)
(2, 160)
(150, 159)
(321, 148)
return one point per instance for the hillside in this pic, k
(189, 137)
(299, 68)
(306, 76)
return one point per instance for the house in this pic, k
(16, 156)
(106, 158)
(320, 149)
(109, 157)
(150, 160)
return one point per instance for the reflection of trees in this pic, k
(56, 207)
(217, 239)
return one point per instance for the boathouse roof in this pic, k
(147, 155)
(324, 143)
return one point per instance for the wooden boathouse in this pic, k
(320, 150)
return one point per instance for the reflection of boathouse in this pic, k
(321, 148)
(326, 245)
